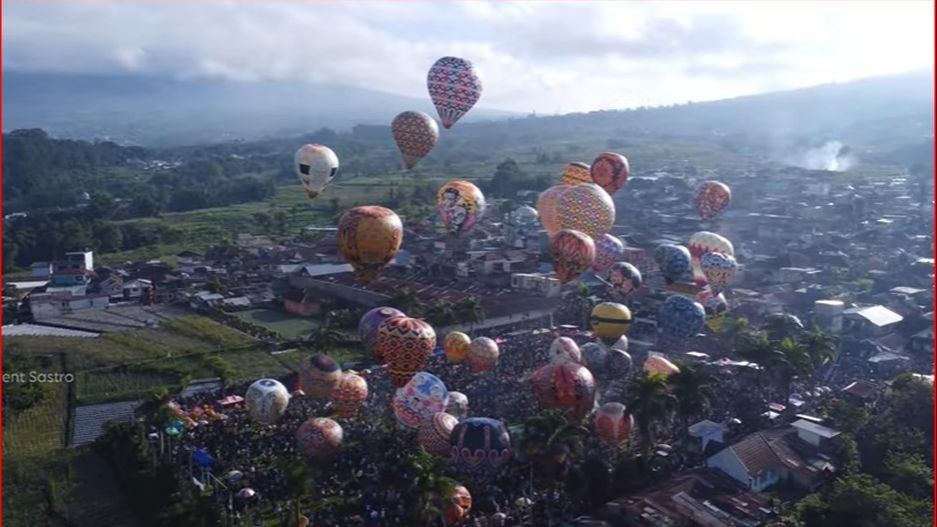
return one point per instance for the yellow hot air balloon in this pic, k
(456, 346)
(576, 173)
(588, 209)
(610, 321)
(548, 208)
(369, 238)
(460, 205)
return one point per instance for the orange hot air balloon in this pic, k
(610, 171)
(548, 208)
(416, 134)
(711, 198)
(572, 253)
(349, 395)
(460, 503)
(483, 354)
(435, 431)
(658, 364)
(576, 173)
(456, 346)
(568, 386)
(369, 238)
(612, 423)
(405, 343)
(588, 209)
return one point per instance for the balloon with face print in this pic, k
(608, 250)
(422, 396)
(454, 86)
(316, 166)
(624, 279)
(704, 242)
(460, 204)
(718, 268)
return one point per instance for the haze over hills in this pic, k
(879, 113)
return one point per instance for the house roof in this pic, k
(878, 315)
(814, 428)
(762, 451)
(862, 389)
(705, 427)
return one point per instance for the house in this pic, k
(860, 392)
(205, 300)
(134, 289)
(302, 302)
(547, 286)
(763, 459)
(41, 269)
(52, 305)
(709, 434)
(922, 343)
(874, 320)
(236, 303)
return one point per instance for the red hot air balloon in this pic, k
(454, 87)
(567, 385)
(612, 423)
(483, 354)
(319, 438)
(416, 134)
(405, 343)
(572, 253)
(711, 198)
(610, 171)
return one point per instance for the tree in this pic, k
(691, 387)
(820, 346)
(650, 401)
(298, 484)
(280, 222)
(263, 220)
(405, 300)
(845, 417)
(431, 486)
(550, 443)
(863, 501)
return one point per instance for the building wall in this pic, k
(726, 461)
(346, 293)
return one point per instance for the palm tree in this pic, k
(692, 389)
(821, 346)
(797, 362)
(781, 326)
(732, 331)
(548, 441)
(650, 401)
(431, 486)
(440, 313)
(472, 309)
(298, 483)
(579, 305)
(759, 350)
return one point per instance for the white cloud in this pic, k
(533, 55)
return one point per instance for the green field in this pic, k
(287, 325)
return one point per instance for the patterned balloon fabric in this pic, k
(454, 87)
(319, 375)
(349, 395)
(610, 171)
(415, 134)
(572, 253)
(588, 209)
(718, 268)
(456, 346)
(701, 243)
(483, 354)
(612, 423)
(576, 173)
(266, 401)
(319, 438)
(405, 343)
(367, 327)
(711, 198)
(479, 446)
(624, 279)
(608, 250)
(679, 318)
(435, 431)
(548, 204)
(369, 238)
(567, 386)
(422, 396)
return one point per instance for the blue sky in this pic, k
(543, 56)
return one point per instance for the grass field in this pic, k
(285, 324)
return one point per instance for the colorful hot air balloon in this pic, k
(367, 327)
(673, 261)
(548, 204)
(610, 321)
(435, 431)
(458, 405)
(576, 173)
(266, 401)
(610, 171)
(565, 349)
(567, 386)
(422, 396)
(369, 238)
(588, 209)
(460, 503)
(711, 198)
(706, 242)
(613, 423)
(679, 318)
(718, 268)
(460, 206)
(349, 395)
(319, 438)
(659, 364)
(624, 279)
(715, 306)
(479, 446)
(454, 87)
(608, 250)
(456, 345)
(416, 134)
(319, 375)
(315, 166)
(405, 343)
(572, 253)
(483, 354)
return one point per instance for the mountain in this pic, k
(156, 111)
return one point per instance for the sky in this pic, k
(548, 57)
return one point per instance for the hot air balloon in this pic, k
(679, 318)
(718, 268)
(349, 395)
(610, 171)
(548, 204)
(618, 363)
(673, 261)
(458, 405)
(319, 375)
(367, 327)
(319, 438)
(705, 242)
(405, 343)
(266, 401)
(595, 356)
(610, 321)
(715, 306)
(711, 198)
(424, 395)
(624, 279)
(460, 206)
(608, 250)
(456, 345)
(483, 354)
(435, 431)
(369, 238)
(613, 424)
(460, 503)
(416, 134)
(479, 446)
(572, 253)
(659, 364)
(568, 386)
(588, 209)
(315, 166)
(565, 349)
(576, 173)
(454, 87)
